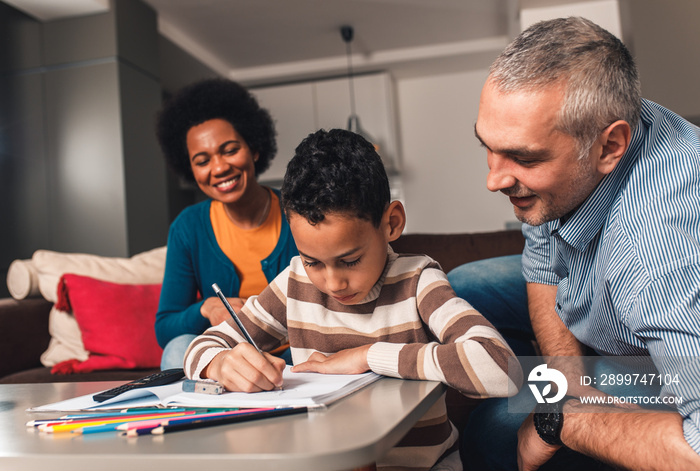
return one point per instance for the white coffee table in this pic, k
(351, 433)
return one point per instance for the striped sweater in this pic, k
(418, 328)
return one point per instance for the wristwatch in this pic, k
(549, 420)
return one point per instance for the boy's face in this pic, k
(343, 255)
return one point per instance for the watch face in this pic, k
(548, 426)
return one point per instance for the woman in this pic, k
(215, 134)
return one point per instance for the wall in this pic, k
(443, 166)
(665, 42)
(81, 170)
(23, 180)
(442, 169)
(663, 37)
(178, 69)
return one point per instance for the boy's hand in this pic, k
(244, 369)
(214, 310)
(345, 362)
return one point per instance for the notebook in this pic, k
(313, 390)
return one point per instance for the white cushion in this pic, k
(23, 279)
(144, 268)
(66, 340)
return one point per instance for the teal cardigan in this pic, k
(194, 262)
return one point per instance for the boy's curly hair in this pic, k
(214, 99)
(335, 171)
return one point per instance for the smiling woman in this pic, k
(213, 133)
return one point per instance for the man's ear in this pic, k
(615, 139)
(395, 215)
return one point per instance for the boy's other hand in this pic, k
(214, 310)
(345, 362)
(244, 369)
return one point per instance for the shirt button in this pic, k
(559, 306)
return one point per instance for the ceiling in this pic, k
(256, 40)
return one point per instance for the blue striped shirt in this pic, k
(627, 262)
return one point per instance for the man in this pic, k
(608, 188)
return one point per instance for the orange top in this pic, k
(246, 248)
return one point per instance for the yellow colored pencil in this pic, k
(67, 427)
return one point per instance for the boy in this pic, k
(349, 304)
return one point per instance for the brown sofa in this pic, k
(24, 331)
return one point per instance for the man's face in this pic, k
(532, 162)
(343, 256)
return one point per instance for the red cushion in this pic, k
(116, 322)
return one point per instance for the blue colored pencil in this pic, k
(96, 429)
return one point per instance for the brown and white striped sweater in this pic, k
(418, 328)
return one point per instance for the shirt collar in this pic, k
(373, 294)
(580, 229)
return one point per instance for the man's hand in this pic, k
(345, 362)
(214, 310)
(533, 452)
(244, 369)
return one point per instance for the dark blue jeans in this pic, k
(496, 288)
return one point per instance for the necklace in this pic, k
(262, 217)
(265, 210)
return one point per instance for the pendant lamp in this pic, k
(347, 33)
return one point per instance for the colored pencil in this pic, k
(101, 419)
(146, 423)
(117, 426)
(95, 429)
(136, 411)
(72, 425)
(134, 429)
(101, 415)
(143, 428)
(214, 421)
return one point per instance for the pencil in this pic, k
(96, 428)
(134, 429)
(146, 423)
(100, 415)
(237, 320)
(214, 421)
(72, 425)
(102, 418)
(139, 423)
(234, 316)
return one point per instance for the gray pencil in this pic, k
(235, 316)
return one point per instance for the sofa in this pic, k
(24, 323)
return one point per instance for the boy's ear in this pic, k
(395, 216)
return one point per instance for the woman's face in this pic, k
(222, 163)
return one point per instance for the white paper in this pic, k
(300, 389)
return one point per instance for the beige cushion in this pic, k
(66, 340)
(23, 279)
(144, 268)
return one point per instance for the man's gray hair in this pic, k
(598, 72)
